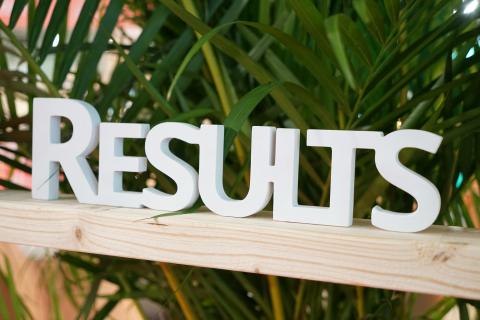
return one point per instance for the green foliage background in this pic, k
(357, 65)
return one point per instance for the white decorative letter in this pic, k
(112, 163)
(159, 154)
(211, 172)
(48, 151)
(424, 192)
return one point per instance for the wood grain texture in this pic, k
(440, 260)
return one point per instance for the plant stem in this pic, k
(360, 304)
(276, 297)
(216, 73)
(299, 300)
(173, 283)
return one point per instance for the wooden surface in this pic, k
(440, 260)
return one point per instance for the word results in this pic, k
(273, 169)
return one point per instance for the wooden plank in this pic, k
(440, 260)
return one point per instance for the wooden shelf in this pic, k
(440, 260)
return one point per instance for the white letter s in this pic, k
(425, 193)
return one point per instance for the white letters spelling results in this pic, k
(274, 167)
